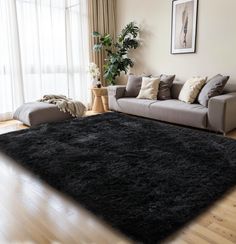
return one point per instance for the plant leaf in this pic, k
(96, 34)
(97, 47)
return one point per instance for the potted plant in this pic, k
(117, 60)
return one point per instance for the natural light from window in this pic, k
(44, 50)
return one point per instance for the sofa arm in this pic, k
(222, 112)
(114, 93)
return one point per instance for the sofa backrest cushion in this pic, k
(166, 82)
(230, 87)
(176, 88)
(214, 87)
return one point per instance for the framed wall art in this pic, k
(184, 26)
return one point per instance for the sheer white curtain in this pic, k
(77, 32)
(11, 79)
(45, 51)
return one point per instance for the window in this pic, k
(44, 50)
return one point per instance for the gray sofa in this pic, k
(220, 116)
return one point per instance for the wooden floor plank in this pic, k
(208, 235)
(223, 231)
(211, 218)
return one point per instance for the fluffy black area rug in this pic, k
(143, 177)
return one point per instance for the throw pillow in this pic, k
(133, 86)
(214, 87)
(149, 88)
(166, 82)
(191, 89)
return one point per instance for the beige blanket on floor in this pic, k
(75, 108)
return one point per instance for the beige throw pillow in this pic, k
(149, 88)
(191, 89)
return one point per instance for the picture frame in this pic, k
(184, 26)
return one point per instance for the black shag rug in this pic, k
(145, 178)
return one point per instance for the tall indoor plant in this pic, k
(117, 59)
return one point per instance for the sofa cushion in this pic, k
(135, 106)
(229, 88)
(166, 82)
(149, 88)
(214, 87)
(191, 89)
(175, 111)
(133, 86)
(176, 89)
(35, 113)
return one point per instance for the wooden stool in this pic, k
(100, 104)
(105, 103)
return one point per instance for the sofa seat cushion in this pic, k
(175, 111)
(135, 106)
(35, 113)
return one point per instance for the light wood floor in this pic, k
(33, 212)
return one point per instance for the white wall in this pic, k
(216, 39)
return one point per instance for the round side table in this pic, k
(100, 96)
